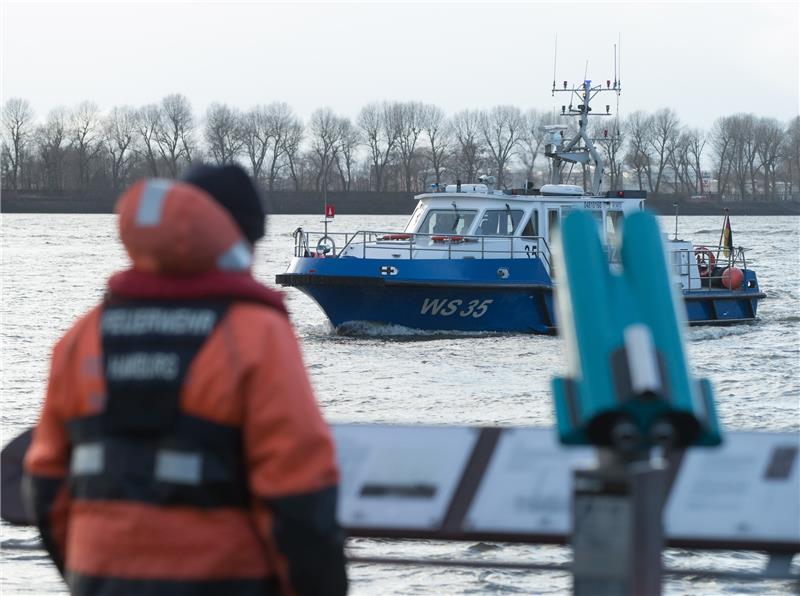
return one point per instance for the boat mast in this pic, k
(573, 151)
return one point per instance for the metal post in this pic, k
(617, 534)
(676, 219)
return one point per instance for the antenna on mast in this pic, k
(555, 57)
(617, 86)
(619, 44)
(581, 147)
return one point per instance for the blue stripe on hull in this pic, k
(432, 308)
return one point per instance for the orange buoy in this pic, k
(732, 278)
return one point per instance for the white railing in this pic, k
(453, 246)
(702, 266)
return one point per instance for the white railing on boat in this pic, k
(362, 244)
(412, 245)
(702, 267)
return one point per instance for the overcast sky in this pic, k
(703, 59)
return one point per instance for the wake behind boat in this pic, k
(476, 259)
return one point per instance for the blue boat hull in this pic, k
(498, 295)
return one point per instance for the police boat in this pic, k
(475, 259)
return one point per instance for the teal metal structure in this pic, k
(628, 385)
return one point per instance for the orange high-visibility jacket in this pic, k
(180, 449)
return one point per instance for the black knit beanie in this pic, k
(232, 188)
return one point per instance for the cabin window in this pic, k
(500, 222)
(531, 228)
(447, 221)
(415, 217)
(552, 223)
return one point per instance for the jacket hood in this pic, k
(176, 229)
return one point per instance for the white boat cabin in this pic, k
(472, 222)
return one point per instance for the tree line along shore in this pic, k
(372, 203)
(388, 147)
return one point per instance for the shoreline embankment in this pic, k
(370, 203)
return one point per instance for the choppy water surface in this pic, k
(54, 268)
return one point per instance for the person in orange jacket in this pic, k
(180, 450)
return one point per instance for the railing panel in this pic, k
(452, 246)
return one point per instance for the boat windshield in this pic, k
(446, 221)
(500, 222)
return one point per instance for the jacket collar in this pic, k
(137, 285)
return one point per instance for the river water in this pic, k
(54, 268)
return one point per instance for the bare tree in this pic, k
(638, 157)
(17, 135)
(85, 135)
(722, 145)
(256, 136)
(349, 142)
(501, 128)
(224, 133)
(282, 124)
(746, 142)
(680, 164)
(742, 154)
(734, 144)
(119, 135)
(696, 142)
(50, 141)
(378, 121)
(790, 154)
(471, 148)
(291, 147)
(326, 131)
(665, 129)
(610, 138)
(531, 140)
(439, 134)
(265, 131)
(174, 135)
(148, 126)
(769, 137)
(410, 124)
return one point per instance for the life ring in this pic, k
(325, 245)
(705, 261)
(451, 239)
(396, 237)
